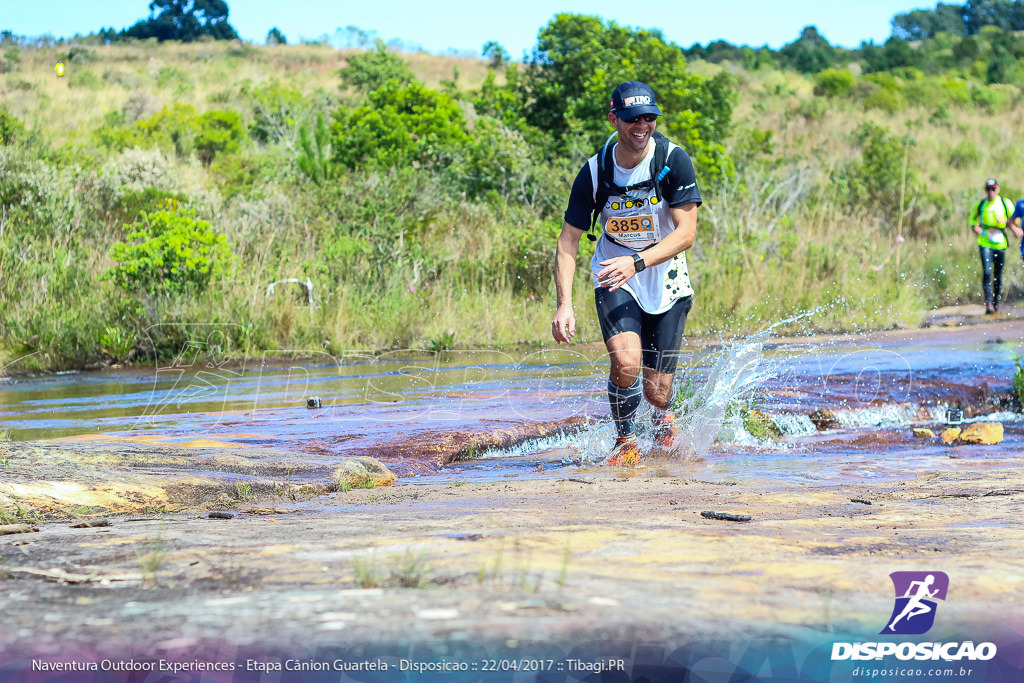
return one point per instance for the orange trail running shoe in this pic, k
(666, 433)
(625, 454)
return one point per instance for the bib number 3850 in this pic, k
(631, 228)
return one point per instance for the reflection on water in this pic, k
(393, 402)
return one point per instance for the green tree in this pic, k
(495, 54)
(184, 20)
(579, 60)
(275, 37)
(1005, 14)
(896, 53)
(371, 69)
(921, 23)
(810, 53)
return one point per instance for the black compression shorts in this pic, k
(660, 335)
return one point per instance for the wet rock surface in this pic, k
(448, 565)
(987, 433)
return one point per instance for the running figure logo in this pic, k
(916, 593)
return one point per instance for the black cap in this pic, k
(991, 182)
(632, 99)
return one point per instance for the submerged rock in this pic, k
(761, 425)
(823, 419)
(363, 472)
(923, 433)
(982, 433)
(950, 434)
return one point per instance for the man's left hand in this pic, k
(616, 272)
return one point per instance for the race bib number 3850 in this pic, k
(631, 229)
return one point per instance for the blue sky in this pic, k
(465, 25)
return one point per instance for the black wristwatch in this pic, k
(638, 263)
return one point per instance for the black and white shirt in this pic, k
(637, 222)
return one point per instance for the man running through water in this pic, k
(989, 219)
(641, 283)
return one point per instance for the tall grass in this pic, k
(398, 259)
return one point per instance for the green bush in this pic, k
(964, 155)
(957, 91)
(875, 179)
(889, 101)
(994, 98)
(277, 111)
(399, 126)
(370, 70)
(833, 82)
(10, 128)
(170, 252)
(219, 131)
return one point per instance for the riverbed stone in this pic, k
(761, 425)
(950, 434)
(363, 472)
(923, 433)
(823, 419)
(982, 433)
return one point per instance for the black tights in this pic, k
(992, 273)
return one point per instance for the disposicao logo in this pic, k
(916, 596)
(913, 613)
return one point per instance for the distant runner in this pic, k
(989, 219)
(643, 193)
(1016, 218)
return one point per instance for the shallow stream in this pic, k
(485, 415)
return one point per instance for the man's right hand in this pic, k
(563, 327)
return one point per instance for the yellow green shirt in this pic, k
(992, 219)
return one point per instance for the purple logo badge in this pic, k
(916, 595)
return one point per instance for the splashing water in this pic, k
(733, 378)
(736, 375)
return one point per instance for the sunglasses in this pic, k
(649, 118)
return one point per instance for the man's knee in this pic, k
(658, 390)
(625, 364)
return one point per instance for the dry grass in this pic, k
(105, 78)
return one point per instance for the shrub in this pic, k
(175, 126)
(964, 155)
(277, 112)
(833, 82)
(957, 91)
(399, 126)
(219, 131)
(170, 252)
(993, 98)
(371, 69)
(888, 101)
(137, 169)
(10, 128)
